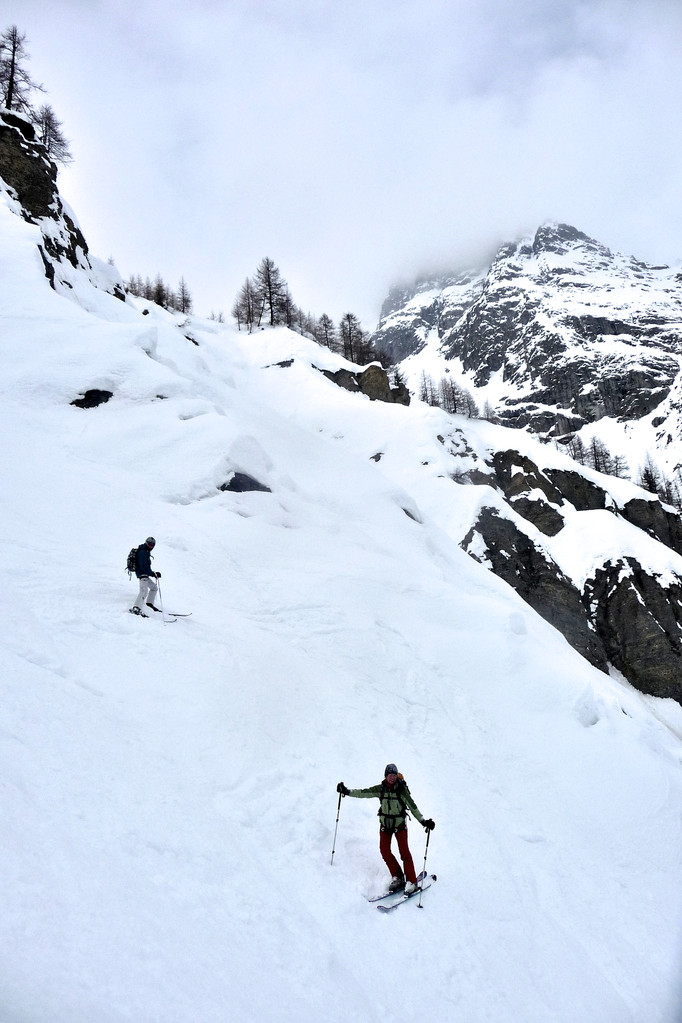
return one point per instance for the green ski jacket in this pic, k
(394, 803)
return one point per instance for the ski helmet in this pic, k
(150, 541)
(390, 769)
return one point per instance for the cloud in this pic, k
(358, 143)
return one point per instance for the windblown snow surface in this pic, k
(169, 790)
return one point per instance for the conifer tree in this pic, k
(50, 134)
(353, 339)
(287, 312)
(183, 297)
(650, 476)
(270, 288)
(576, 449)
(159, 291)
(325, 332)
(598, 456)
(244, 308)
(427, 390)
(16, 85)
(489, 413)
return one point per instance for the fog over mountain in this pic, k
(356, 144)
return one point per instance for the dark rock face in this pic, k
(582, 493)
(516, 474)
(373, 381)
(32, 177)
(25, 167)
(537, 579)
(639, 621)
(242, 483)
(542, 515)
(343, 378)
(578, 331)
(92, 398)
(624, 616)
(655, 520)
(29, 177)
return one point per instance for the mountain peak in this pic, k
(572, 332)
(560, 238)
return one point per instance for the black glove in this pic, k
(157, 574)
(342, 789)
(429, 824)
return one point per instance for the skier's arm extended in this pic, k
(374, 790)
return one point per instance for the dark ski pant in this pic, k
(404, 850)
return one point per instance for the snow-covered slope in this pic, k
(169, 789)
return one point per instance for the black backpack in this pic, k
(131, 563)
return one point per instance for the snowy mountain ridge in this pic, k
(169, 790)
(558, 333)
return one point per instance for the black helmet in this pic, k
(150, 541)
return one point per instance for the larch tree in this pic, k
(244, 308)
(352, 337)
(16, 83)
(270, 288)
(50, 134)
(325, 332)
(183, 297)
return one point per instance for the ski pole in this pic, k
(338, 811)
(163, 613)
(428, 836)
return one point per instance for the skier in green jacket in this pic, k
(395, 800)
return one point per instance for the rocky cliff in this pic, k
(568, 331)
(597, 557)
(29, 178)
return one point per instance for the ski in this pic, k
(175, 614)
(141, 614)
(388, 895)
(406, 898)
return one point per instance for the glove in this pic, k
(342, 789)
(429, 824)
(157, 574)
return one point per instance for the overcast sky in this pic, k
(358, 142)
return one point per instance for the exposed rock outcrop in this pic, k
(92, 398)
(372, 381)
(242, 483)
(30, 179)
(662, 523)
(624, 614)
(574, 331)
(513, 557)
(639, 621)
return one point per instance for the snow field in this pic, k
(169, 790)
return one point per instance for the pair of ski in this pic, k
(168, 616)
(401, 897)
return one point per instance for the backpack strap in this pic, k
(395, 793)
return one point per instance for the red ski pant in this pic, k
(404, 850)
